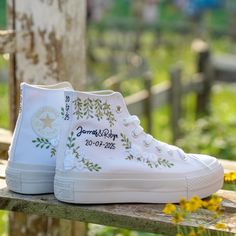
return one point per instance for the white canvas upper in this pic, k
(35, 139)
(105, 156)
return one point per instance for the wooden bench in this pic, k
(142, 217)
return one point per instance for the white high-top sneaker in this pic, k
(104, 156)
(31, 163)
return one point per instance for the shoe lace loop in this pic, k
(148, 139)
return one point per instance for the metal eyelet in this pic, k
(118, 109)
(146, 144)
(125, 123)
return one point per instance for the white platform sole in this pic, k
(93, 188)
(29, 179)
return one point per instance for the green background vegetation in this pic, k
(215, 135)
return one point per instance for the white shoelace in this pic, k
(148, 139)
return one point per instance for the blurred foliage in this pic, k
(3, 223)
(100, 230)
(4, 114)
(2, 14)
(214, 135)
(211, 136)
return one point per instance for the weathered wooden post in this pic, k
(175, 100)
(148, 101)
(204, 66)
(48, 46)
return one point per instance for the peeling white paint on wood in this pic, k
(50, 40)
(7, 41)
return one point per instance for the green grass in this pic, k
(4, 113)
(4, 223)
(217, 140)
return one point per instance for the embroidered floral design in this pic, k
(134, 152)
(89, 106)
(45, 143)
(78, 108)
(125, 141)
(98, 109)
(73, 158)
(62, 112)
(107, 111)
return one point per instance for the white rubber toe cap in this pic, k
(206, 160)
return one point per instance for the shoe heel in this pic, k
(29, 182)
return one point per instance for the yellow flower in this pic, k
(169, 208)
(230, 177)
(220, 225)
(195, 203)
(177, 218)
(179, 234)
(192, 205)
(213, 204)
(192, 233)
(183, 204)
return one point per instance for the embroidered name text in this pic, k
(106, 133)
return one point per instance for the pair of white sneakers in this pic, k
(86, 148)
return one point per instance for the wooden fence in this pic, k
(45, 51)
(211, 69)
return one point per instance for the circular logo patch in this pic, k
(46, 122)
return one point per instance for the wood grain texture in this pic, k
(49, 47)
(144, 217)
(175, 100)
(7, 41)
(49, 50)
(5, 140)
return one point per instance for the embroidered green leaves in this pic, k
(81, 162)
(93, 108)
(78, 108)
(125, 141)
(98, 109)
(88, 108)
(134, 153)
(44, 143)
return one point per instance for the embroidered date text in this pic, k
(108, 145)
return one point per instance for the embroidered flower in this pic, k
(152, 157)
(135, 151)
(69, 152)
(54, 142)
(71, 162)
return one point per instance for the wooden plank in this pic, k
(225, 68)
(144, 217)
(5, 140)
(2, 169)
(225, 62)
(228, 165)
(7, 41)
(24, 203)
